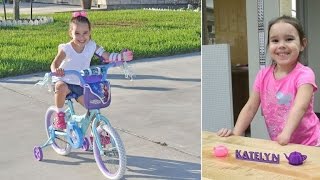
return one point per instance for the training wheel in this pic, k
(37, 152)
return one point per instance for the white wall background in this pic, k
(312, 14)
(217, 108)
(271, 10)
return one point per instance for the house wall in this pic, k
(116, 2)
(230, 27)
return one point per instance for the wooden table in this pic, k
(231, 168)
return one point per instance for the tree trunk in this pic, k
(86, 4)
(31, 1)
(4, 10)
(16, 14)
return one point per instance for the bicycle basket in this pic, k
(97, 95)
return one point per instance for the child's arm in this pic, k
(56, 63)
(245, 117)
(107, 57)
(300, 106)
(247, 113)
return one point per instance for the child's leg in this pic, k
(61, 91)
(81, 100)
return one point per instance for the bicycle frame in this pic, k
(85, 120)
(74, 136)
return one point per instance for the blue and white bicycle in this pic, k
(108, 149)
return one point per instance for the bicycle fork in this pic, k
(97, 129)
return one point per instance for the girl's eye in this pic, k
(274, 40)
(290, 39)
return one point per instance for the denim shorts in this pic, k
(77, 90)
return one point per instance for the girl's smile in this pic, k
(80, 34)
(284, 44)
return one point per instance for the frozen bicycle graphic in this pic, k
(108, 149)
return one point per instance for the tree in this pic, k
(16, 7)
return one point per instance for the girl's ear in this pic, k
(304, 44)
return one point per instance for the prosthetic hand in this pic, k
(127, 55)
(124, 55)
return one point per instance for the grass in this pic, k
(30, 49)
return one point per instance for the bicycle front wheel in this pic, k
(112, 163)
(59, 143)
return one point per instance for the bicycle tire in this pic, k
(114, 154)
(59, 143)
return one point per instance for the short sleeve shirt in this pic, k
(277, 97)
(76, 61)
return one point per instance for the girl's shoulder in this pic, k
(301, 69)
(92, 42)
(64, 45)
(266, 70)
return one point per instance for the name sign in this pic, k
(258, 156)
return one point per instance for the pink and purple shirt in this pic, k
(277, 97)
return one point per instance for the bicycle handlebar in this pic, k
(99, 70)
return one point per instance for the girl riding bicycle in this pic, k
(77, 55)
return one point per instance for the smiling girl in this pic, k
(285, 89)
(77, 55)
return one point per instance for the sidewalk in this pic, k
(161, 106)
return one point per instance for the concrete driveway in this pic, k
(161, 106)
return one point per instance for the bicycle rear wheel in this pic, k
(59, 143)
(112, 163)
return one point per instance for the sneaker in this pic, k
(104, 140)
(59, 122)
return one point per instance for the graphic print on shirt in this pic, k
(283, 98)
(276, 111)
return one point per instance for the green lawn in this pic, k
(30, 49)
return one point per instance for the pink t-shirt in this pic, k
(277, 98)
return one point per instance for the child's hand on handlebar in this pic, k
(127, 55)
(224, 132)
(59, 72)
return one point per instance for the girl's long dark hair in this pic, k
(295, 23)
